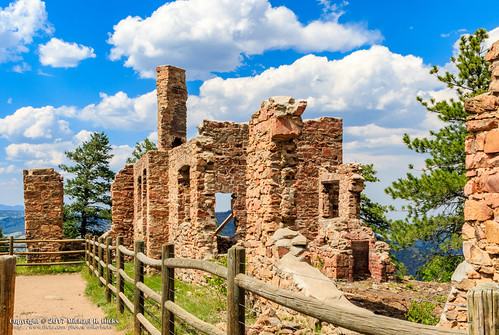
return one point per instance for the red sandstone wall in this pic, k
(172, 109)
(43, 204)
(230, 141)
(320, 144)
(122, 205)
(151, 200)
(481, 212)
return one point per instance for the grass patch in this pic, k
(205, 302)
(45, 269)
(97, 295)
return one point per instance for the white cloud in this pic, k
(9, 169)
(19, 23)
(375, 85)
(9, 100)
(493, 36)
(36, 124)
(58, 53)
(122, 112)
(121, 153)
(212, 35)
(45, 154)
(21, 68)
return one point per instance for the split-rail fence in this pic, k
(484, 316)
(11, 247)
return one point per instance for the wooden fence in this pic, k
(8, 247)
(99, 260)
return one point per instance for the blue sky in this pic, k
(69, 68)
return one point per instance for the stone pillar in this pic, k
(43, 203)
(481, 212)
(122, 205)
(172, 108)
(271, 167)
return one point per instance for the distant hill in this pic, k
(12, 220)
(229, 229)
(11, 208)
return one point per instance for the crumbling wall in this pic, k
(122, 198)
(229, 143)
(151, 200)
(481, 212)
(320, 144)
(43, 211)
(192, 198)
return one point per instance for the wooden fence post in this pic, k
(99, 265)
(7, 293)
(120, 284)
(235, 294)
(483, 310)
(167, 290)
(138, 296)
(109, 240)
(11, 246)
(94, 254)
(86, 250)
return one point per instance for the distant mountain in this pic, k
(11, 208)
(12, 221)
(229, 229)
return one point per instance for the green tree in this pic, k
(435, 196)
(373, 213)
(140, 149)
(89, 189)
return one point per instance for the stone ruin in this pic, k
(43, 209)
(290, 192)
(481, 212)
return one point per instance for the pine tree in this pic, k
(140, 149)
(89, 189)
(373, 213)
(435, 196)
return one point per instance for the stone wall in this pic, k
(122, 210)
(481, 212)
(172, 109)
(151, 200)
(229, 142)
(43, 210)
(320, 144)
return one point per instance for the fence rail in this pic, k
(8, 247)
(238, 284)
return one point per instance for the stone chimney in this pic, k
(172, 108)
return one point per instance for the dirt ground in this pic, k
(56, 304)
(393, 299)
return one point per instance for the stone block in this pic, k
(477, 210)
(491, 142)
(492, 231)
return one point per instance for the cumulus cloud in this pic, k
(19, 23)
(36, 124)
(8, 169)
(121, 153)
(122, 112)
(213, 35)
(373, 85)
(21, 68)
(57, 53)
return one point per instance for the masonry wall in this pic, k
(151, 200)
(320, 144)
(230, 141)
(481, 212)
(271, 177)
(122, 209)
(43, 208)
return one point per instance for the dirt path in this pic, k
(56, 304)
